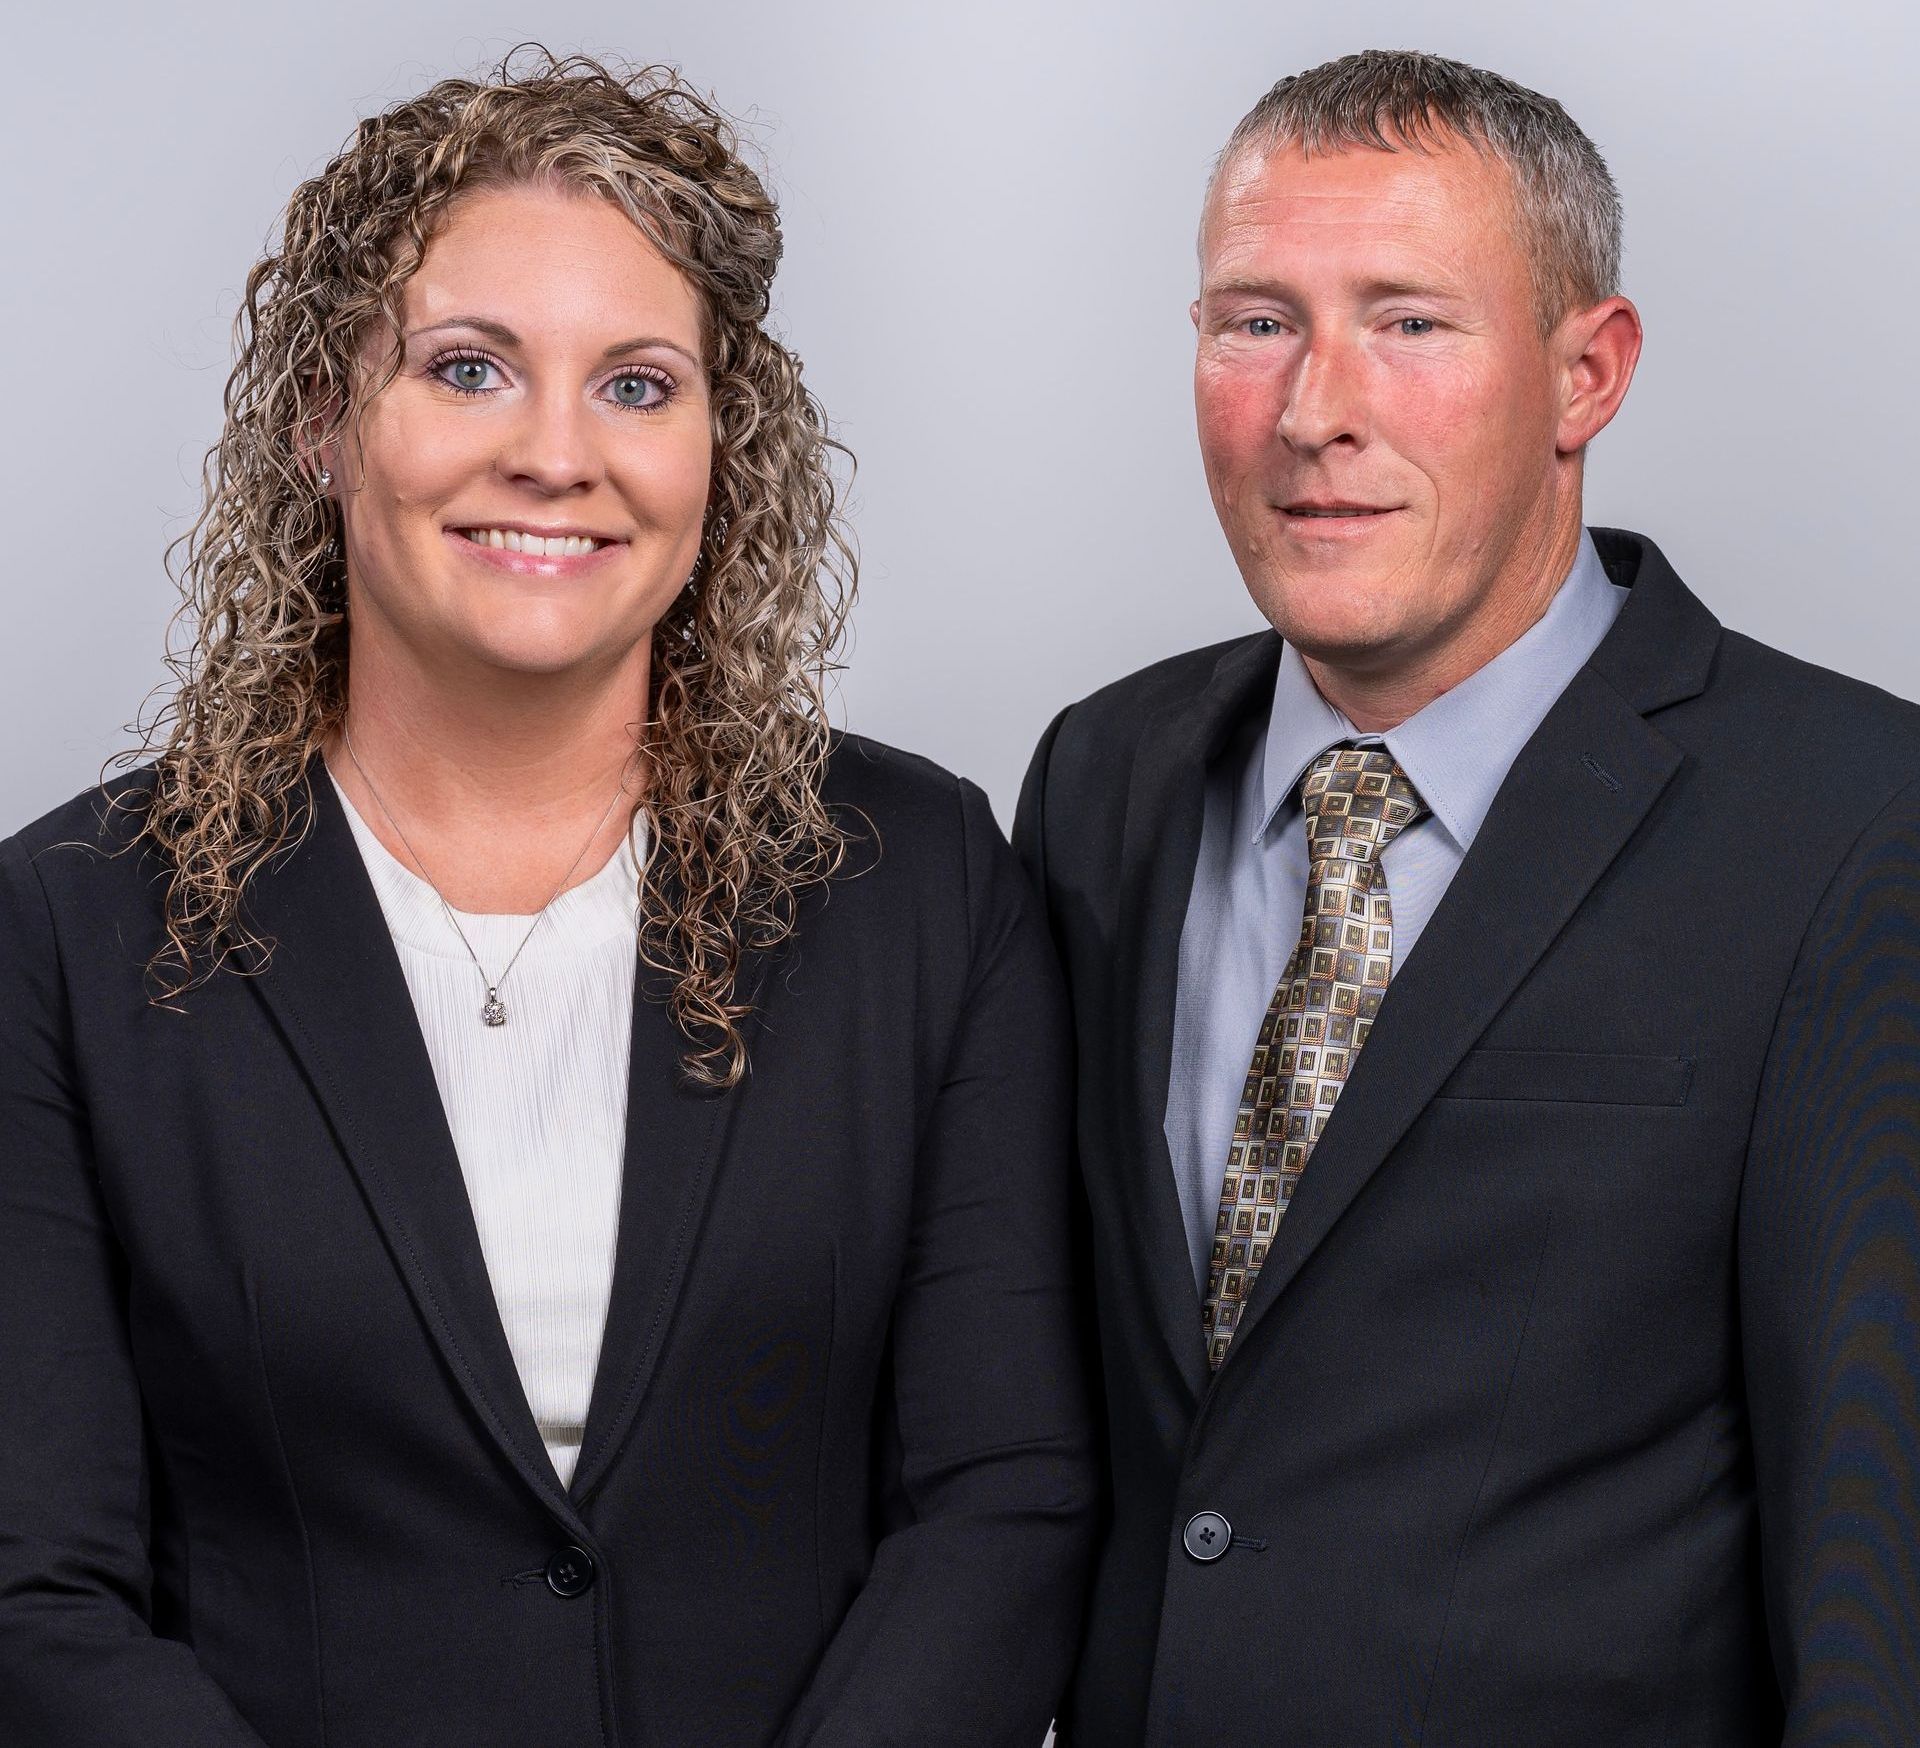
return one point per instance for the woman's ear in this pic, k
(317, 443)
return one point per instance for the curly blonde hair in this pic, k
(736, 742)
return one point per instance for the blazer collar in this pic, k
(1662, 646)
(333, 984)
(1459, 747)
(1580, 787)
(1161, 841)
(677, 1141)
(1591, 773)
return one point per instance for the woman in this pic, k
(413, 1326)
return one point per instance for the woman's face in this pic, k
(551, 398)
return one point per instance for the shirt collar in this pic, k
(1457, 749)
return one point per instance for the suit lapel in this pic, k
(1160, 845)
(1578, 791)
(676, 1138)
(334, 985)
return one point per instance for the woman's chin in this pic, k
(545, 652)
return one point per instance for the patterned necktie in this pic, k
(1357, 800)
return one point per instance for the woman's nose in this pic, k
(553, 445)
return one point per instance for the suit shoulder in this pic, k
(1116, 713)
(875, 777)
(1809, 718)
(98, 824)
(921, 842)
(72, 879)
(1171, 680)
(898, 807)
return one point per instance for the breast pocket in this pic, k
(1585, 1077)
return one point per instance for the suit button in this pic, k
(1206, 1535)
(570, 1572)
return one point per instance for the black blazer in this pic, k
(266, 1471)
(1578, 1400)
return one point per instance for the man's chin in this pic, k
(1351, 626)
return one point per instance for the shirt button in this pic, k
(1206, 1535)
(570, 1572)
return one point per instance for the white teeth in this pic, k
(512, 540)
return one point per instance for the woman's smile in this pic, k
(526, 553)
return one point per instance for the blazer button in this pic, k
(570, 1572)
(1206, 1535)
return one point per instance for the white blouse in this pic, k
(537, 1107)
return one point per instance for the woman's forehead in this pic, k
(544, 261)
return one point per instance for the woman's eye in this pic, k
(469, 375)
(1415, 326)
(637, 390)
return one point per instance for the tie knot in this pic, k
(1357, 800)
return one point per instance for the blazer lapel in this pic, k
(1160, 845)
(334, 985)
(676, 1137)
(1578, 791)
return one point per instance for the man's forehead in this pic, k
(1416, 198)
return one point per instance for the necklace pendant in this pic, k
(494, 1011)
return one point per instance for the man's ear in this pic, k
(1193, 314)
(1598, 349)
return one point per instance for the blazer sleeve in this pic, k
(965, 1630)
(1829, 1264)
(1030, 812)
(80, 1665)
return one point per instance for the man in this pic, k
(1499, 1007)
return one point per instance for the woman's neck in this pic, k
(489, 792)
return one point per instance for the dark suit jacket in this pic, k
(1578, 1400)
(266, 1471)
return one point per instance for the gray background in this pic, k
(990, 211)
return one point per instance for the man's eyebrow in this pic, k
(1233, 285)
(505, 336)
(1382, 290)
(1373, 291)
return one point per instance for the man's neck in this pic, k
(1385, 687)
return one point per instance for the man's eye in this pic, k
(1415, 326)
(1262, 327)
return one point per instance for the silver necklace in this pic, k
(493, 1011)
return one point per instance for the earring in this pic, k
(326, 478)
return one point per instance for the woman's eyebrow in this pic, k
(505, 336)
(643, 342)
(480, 325)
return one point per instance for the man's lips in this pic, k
(1334, 510)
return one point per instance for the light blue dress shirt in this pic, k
(1250, 882)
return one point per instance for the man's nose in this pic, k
(554, 445)
(1325, 401)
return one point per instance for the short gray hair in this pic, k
(1392, 99)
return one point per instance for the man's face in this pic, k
(1378, 408)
